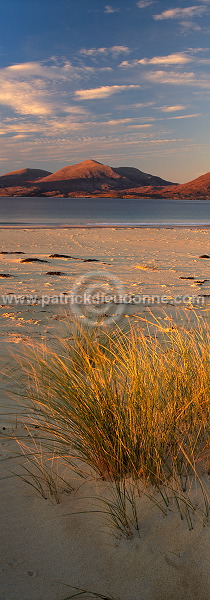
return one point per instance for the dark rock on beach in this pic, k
(55, 273)
(31, 260)
(60, 256)
(74, 257)
(64, 256)
(91, 260)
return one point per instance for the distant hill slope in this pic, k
(21, 177)
(86, 169)
(199, 187)
(91, 176)
(139, 178)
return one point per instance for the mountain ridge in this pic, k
(91, 178)
(89, 169)
(88, 176)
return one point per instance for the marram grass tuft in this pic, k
(129, 406)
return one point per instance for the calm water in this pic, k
(67, 212)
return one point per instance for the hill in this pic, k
(197, 188)
(139, 178)
(92, 176)
(87, 177)
(21, 177)
(83, 170)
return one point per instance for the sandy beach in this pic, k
(162, 262)
(42, 547)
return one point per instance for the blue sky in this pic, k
(124, 83)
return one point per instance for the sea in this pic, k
(32, 212)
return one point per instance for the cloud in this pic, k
(18, 126)
(141, 105)
(144, 3)
(169, 109)
(47, 127)
(118, 121)
(76, 110)
(38, 132)
(177, 58)
(101, 146)
(141, 125)
(186, 116)
(204, 61)
(110, 9)
(36, 88)
(24, 97)
(114, 50)
(48, 70)
(177, 78)
(128, 122)
(188, 26)
(126, 64)
(181, 13)
(102, 92)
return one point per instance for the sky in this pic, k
(125, 83)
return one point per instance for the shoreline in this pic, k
(113, 226)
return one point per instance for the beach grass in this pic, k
(79, 592)
(130, 406)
